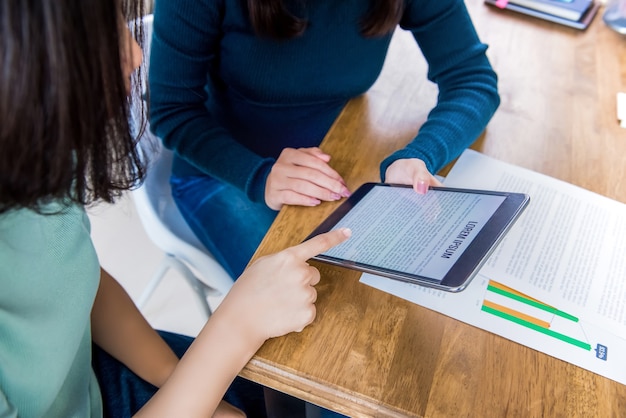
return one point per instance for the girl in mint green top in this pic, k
(48, 270)
(72, 343)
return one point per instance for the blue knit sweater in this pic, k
(228, 101)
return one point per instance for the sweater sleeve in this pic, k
(184, 48)
(457, 63)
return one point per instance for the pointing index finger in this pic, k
(321, 243)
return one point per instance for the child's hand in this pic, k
(275, 295)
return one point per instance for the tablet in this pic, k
(439, 239)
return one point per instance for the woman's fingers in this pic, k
(303, 177)
(413, 172)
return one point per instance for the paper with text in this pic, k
(559, 275)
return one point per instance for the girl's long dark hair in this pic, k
(271, 18)
(64, 127)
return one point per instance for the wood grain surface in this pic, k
(370, 354)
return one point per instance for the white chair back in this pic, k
(163, 221)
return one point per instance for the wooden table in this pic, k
(370, 354)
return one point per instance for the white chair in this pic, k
(164, 223)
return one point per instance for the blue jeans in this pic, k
(229, 224)
(124, 393)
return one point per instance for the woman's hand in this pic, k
(303, 177)
(411, 171)
(275, 295)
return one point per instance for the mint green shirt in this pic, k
(49, 276)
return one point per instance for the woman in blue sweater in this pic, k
(245, 91)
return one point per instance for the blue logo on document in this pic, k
(602, 352)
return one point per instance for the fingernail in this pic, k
(345, 192)
(347, 232)
(335, 196)
(422, 187)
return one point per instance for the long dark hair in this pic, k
(271, 18)
(64, 108)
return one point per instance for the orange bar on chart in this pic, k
(516, 314)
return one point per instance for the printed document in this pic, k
(557, 281)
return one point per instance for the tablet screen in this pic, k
(421, 238)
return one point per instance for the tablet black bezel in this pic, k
(462, 272)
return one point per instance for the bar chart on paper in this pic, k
(495, 307)
(507, 303)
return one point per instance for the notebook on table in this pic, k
(586, 10)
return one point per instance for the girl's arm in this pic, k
(273, 297)
(121, 330)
